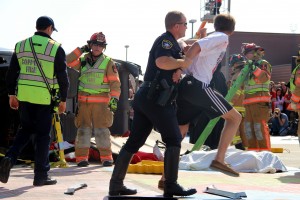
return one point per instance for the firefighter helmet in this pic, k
(98, 38)
(247, 47)
(236, 59)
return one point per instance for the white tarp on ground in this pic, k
(242, 161)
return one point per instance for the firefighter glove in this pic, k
(113, 104)
(85, 48)
(253, 65)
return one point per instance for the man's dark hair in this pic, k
(224, 22)
(41, 28)
(172, 18)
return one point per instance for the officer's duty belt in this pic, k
(148, 84)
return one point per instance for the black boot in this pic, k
(171, 163)
(5, 166)
(116, 185)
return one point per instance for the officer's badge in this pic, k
(114, 68)
(166, 44)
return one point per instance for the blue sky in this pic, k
(134, 22)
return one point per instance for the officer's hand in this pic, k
(113, 104)
(177, 75)
(13, 102)
(85, 48)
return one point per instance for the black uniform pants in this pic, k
(35, 120)
(148, 115)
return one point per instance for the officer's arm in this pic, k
(169, 63)
(60, 70)
(12, 75)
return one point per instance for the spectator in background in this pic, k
(287, 102)
(284, 88)
(280, 123)
(279, 99)
(273, 95)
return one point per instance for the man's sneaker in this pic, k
(5, 166)
(47, 181)
(83, 163)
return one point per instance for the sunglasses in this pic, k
(184, 23)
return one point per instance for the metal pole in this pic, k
(227, 51)
(126, 46)
(192, 21)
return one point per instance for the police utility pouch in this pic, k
(165, 94)
(153, 86)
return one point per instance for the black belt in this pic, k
(146, 84)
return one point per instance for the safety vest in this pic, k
(292, 79)
(252, 87)
(31, 85)
(92, 79)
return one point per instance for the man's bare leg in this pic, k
(231, 125)
(232, 122)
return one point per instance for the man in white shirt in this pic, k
(196, 95)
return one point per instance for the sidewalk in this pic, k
(283, 186)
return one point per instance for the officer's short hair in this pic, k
(224, 22)
(172, 18)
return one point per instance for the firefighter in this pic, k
(29, 94)
(295, 88)
(98, 95)
(257, 98)
(237, 63)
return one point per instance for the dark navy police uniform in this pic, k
(147, 114)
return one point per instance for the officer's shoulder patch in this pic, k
(167, 44)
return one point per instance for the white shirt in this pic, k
(213, 48)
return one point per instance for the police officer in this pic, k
(153, 107)
(98, 94)
(28, 94)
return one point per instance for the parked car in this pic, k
(9, 119)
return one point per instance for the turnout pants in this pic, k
(256, 127)
(93, 118)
